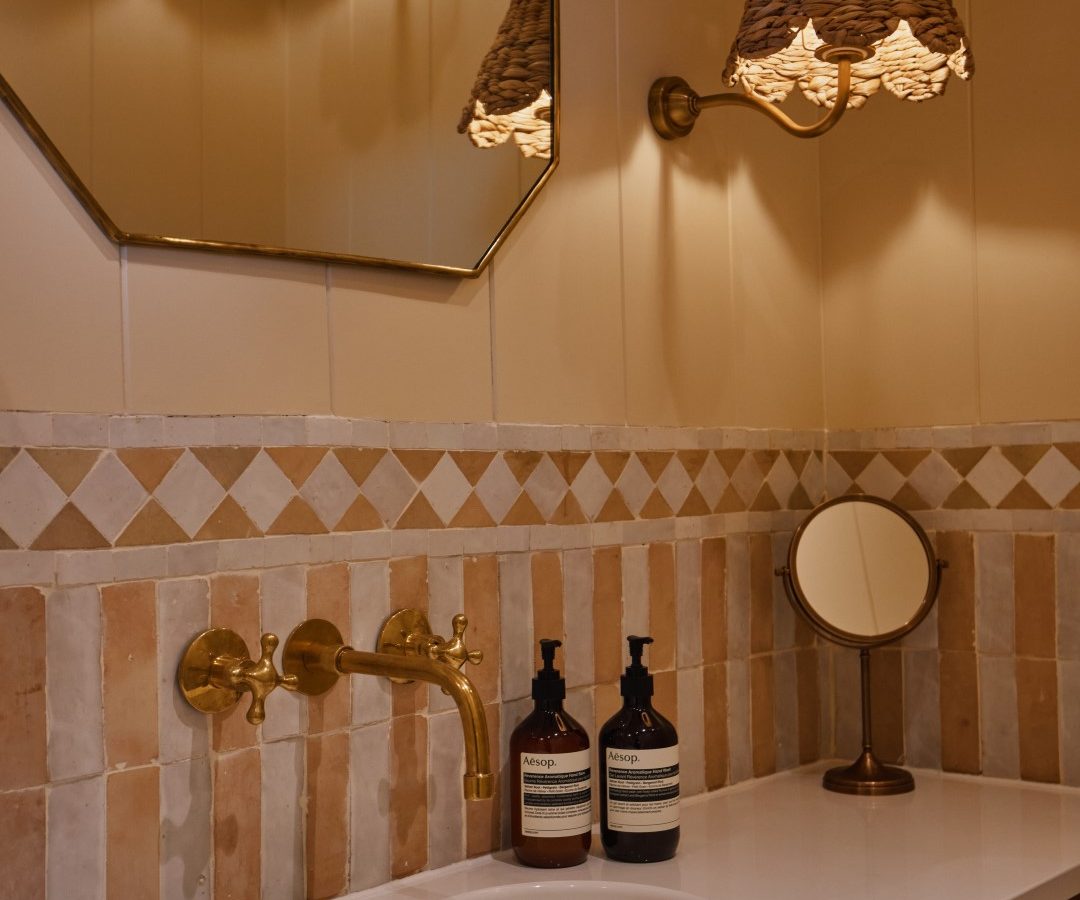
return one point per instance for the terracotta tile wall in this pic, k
(362, 785)
(986, 684)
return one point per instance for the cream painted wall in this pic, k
(952, 239)
(650, 284)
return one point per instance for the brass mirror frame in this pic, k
(867, 776)
(118, 235)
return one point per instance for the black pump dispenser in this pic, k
(639, 772)
(636, 681)
(549, 683)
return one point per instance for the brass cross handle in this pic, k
(454, 652)
(216, 669)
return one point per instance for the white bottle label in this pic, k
(642, 789)
(556, 794)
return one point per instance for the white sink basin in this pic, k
(576, 890)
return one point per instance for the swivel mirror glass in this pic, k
(322, 129)
(862, 571)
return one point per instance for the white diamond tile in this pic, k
(263, 490)
(934, 479)
(109, 496)
(747, 479)
(389, 488)
(498, 489)
(635, 485)
(712, 481)
(1054, 477)
(546, 487)
(29, 499)
(446, 488)
(189, 493)
(330, 490)
(592, 487)
(881, 478)
(994, 477)
(782, 479)
(674, 484)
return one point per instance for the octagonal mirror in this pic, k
(319, 129)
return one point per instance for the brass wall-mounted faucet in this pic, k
(216, 670)
(316, 655)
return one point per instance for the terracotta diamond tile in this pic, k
(994, 477)
(29, 499)
(297, 463)
(1025, 456)
(1054, 477)
(964, 459)
(109, 496)
(546, 487)
(297, 518)
(654, 462)
(419, 463)
(905, 461)
(152, 526)
(446, 489)
(226, 464)
(472, 514)
(330, 490)
(389, 488)
(498, 489)
(361, 516)
(6, 543)
(730, 459)
(227, 522)
(70, 530)
(472, 463)
(635, 485)
(263, 491)
(149, 464)
(570, 463)
(521, 463)
(359, 463)
(837, 481)
(674, 484)
(66, 467)
(612, 462)
(189, 493)
(592, 487)
(853, 461)
(693, 461)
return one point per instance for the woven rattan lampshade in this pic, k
(916, 44)
(513, 92)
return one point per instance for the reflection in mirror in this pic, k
(863, 569)
(863, 573)
(322, 128)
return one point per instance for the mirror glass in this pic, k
(863, 568)
(322, 128)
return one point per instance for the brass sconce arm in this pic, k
(216, 670)
(317, 655)
(674, 106)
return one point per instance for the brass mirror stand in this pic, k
(867, 775)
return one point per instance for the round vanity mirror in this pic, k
(862, 571)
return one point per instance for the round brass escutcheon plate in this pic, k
(196, 665)
(670, 110)
(399, 634)
(310, 654)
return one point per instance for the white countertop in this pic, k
(955, 837)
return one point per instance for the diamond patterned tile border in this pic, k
(142, 496)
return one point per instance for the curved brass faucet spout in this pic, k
(478, 782)
(316, 654)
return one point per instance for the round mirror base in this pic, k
(869, 778)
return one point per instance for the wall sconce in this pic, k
(513, 92)
(837, 53)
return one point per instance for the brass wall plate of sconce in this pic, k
(319, 131)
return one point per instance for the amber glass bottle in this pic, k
(551, 810)
(639, 772)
